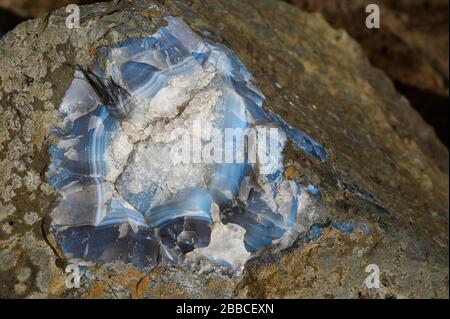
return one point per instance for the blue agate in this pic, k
(122, 198)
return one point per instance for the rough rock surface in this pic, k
(35, 8)
(411, 46)
(388, 172)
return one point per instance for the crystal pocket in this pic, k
(127, 194)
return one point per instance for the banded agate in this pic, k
(122, 197)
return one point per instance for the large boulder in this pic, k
(383, 194)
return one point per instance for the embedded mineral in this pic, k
(164, 140)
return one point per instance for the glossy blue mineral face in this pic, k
(127, 194)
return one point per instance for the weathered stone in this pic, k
(383, 195)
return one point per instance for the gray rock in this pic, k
(384, 194)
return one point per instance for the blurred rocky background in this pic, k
(411, 46)
(8, 21)
(35, 8)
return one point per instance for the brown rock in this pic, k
(387, 172)
(411, 47)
